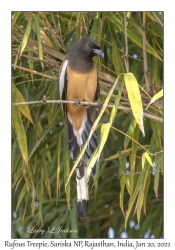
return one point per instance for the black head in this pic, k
(85, 48)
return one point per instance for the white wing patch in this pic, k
(78, 133)
(62, 77)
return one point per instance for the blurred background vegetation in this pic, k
(123, 184)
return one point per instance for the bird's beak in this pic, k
(99, 52)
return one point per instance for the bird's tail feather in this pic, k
(75, 142)
(82, 194)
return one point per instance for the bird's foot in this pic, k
(99, 107)
(77, 103)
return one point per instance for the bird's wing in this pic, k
(63, 84)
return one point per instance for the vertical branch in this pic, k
(126, 56)
(145, 64)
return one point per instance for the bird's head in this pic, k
(92, 48)
(86, 47)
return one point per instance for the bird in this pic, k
(78, 82)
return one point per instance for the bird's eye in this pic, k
(92, 45)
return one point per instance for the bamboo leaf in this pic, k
(20, 133)
(93, 33)
(116, 103)
(66, 165)
(155, 97)
(16, 155)
(25, 208)
(134, 99)
(31, 67)
(40, 209)
(132, 200)
(127, 151)
(146, 192)
(21, 196)
(131, 178)
(147, 157)
(26, 36)
(143, 183)
(105, 128)
(130, 131)
(98, 174)
(73, 220)
(37, 26)
(122, 170)
(17, 97)
(15, 17)
(67, 16)
(58, 165)
(42, 137)
(47, 180)
(151, 16)
(118, 65)
(157, 167)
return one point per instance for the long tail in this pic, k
(75, 141)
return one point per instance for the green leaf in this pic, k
(21, 196)
(73, 220)
(58, 165)
(132, 200)
(130, 131)
(147, 157)
(151, 16)
(134, 99)
(46, 178)
(146, 192)
(15, 17)
(155, 97)
(127, 151)
(105, 128)
(37, 26)
(20, 132)
(143, 183)
(40, 208)
(41, 138)
(122, 170)
(26, 36)
(67, 16)
(118, 64)
(17, 97)
(133, 158)
(158, 162)
(66, 165)
(16, 155)
(25, 208)
(30, 53)
(98, 174)
(116, 103)
(93, 33)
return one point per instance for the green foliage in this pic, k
(41, 165)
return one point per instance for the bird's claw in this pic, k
(77, 103)
(99, 107)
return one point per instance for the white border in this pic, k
(5, 97)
